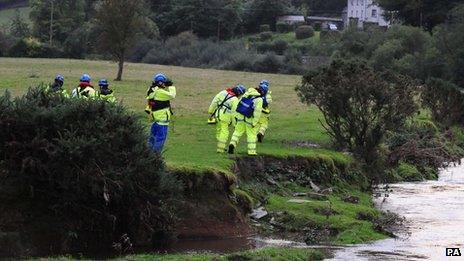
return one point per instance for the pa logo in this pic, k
(451, 251)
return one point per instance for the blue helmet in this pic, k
(239, 89)
(85, 78)
(160, 78)
(59, 78)
(103, 82)
(266, 82)
(264, 88)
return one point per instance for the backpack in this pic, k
(246, 106)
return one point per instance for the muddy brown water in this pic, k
(434, 212)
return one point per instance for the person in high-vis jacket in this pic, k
(106, 93)
(159, 97)
(247, 115)
(264, 119)
(223, 108)
(85, 89)
(57, 87)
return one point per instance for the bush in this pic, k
(282, 27)
(141, 49)
(265, 36)
(445, 100)
(77, 176)
(269, 63)
(408, 172)
(264, 28)
(279, 47)
(304, 32)
(359, 105)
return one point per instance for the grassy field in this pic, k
(7, 14)
(191, 142)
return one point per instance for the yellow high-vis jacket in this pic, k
(224, 105)
(159, 102)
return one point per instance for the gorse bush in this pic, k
(187, 50)
(445, 100)
(77, 175)
(304, 32)
(359, 104)
(282, 27)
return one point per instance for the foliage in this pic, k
(120, 21)
(265, 36)
(425, 14)
(421, 144)
(68, 15)
(258, 12)
(76, 171)
(304, 32)
(449, 42)
(31, 47)
(283, 27)
(206, 18)
(359, 104)
(18, 27)
(264, 28)
(445, 101)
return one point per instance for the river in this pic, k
(434, 212)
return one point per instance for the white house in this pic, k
(365, 11)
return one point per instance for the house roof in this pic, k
(294, 18)
(323, 18)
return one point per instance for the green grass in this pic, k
(7, 14)
(258, 254)
(291, 39)
(345, 217)
(191, 142)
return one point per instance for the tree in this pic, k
(120, 21)
(424, 13)
(449, 40)
(18, 27)
(58, 22)
(359, 105)
(205, 18)
(259, 12)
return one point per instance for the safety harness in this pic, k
(223, 103)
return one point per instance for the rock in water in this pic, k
(259, 213)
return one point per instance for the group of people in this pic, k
(246, 110)
(84, 90)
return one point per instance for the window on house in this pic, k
(356, 13)
(352, 2)
(357, 2)
(351, 13)
(362, 13)
(374, 13)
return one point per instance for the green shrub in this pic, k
(269, 63)
(279, 47)
(408, 172)
(265, 36)
(282, 27)
(77, 175)
(264, 28)
(304, 32)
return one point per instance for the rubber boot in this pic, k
(231, 149)
(260, 138)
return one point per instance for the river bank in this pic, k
(434, 220)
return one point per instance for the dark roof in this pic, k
(323, 18)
